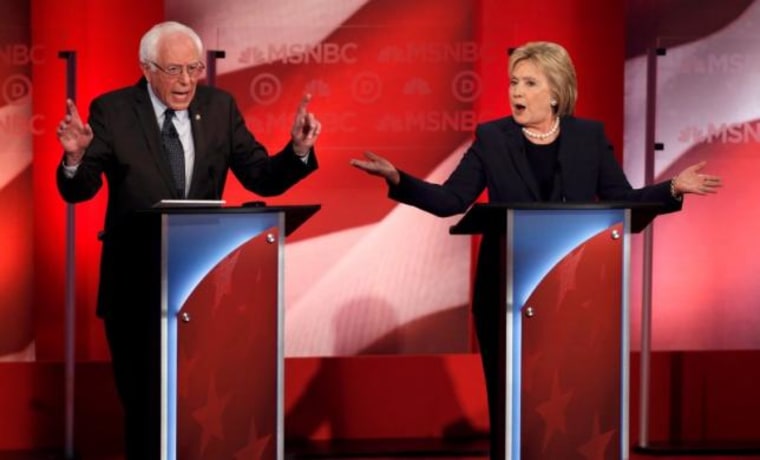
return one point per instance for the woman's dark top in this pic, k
(543, 162)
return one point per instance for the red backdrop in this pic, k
(105, 36)
(106, 54)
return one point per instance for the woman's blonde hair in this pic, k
(555, 62)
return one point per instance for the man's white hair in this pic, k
(149, 41)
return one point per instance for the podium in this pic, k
(212, 279)
(564, 330)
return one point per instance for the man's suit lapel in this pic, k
(197, 115)
(147, 118)
(516, 147)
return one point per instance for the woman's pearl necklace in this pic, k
(542, 136)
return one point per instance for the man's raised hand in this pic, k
(73, 134)
(306, 128)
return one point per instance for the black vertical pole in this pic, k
(70, 288)
(647, 264)
(211, 57)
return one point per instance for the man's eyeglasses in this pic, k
(193, 69)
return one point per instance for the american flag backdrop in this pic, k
(363, 275)
(400, 78)
(707, 109)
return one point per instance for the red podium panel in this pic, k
(228, 355)
(571, 366)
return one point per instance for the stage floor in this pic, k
(394, 450)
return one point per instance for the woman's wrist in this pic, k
(395, 177)
(675, 192)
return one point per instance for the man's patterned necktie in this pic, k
(174, 151)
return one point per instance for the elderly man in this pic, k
(164, 138)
